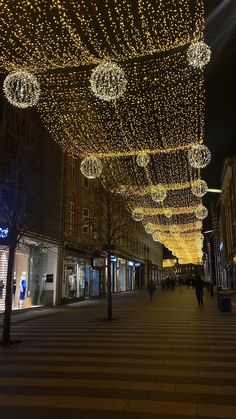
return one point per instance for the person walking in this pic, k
(151, 289)
(199, 285)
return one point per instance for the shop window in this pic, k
(85, 228)
(72, 216)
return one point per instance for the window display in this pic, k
(35, 272)
(23, 288)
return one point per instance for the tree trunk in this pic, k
(8, 299)
(109, 294)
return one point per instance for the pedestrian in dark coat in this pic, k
(151, 289)
(199, 285)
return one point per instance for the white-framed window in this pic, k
(85, 227)
(72, 216)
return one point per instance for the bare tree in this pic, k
(113, 228)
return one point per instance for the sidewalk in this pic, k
(169, 359)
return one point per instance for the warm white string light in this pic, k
(21, 89)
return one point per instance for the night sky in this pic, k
(220, 76)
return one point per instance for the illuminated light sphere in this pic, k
(91, 167)
(201, 213)
(199, 156)
(143, 160)
(168, 213)
(137, 216)
(198, 54)
(108, 81)
(159, 196)
(21, 89)
(200, 188)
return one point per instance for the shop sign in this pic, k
(4, 235)
(49, 278)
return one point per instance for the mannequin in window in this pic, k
(23, 287)
(72, 286)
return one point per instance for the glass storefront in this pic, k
(35, 274)
(121, 280)
(81, 280)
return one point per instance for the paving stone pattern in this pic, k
(169, 359)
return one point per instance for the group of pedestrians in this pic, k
(169, 283)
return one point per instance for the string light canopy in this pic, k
(91, 167)
(168, 213)
(199, 156)
(149, 110)
(21, 89)
(108, 81)
(200, 188)
(201, 213)
(198, 54)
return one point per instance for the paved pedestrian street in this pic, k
(169, 359)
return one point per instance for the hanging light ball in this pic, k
(159, 196)
(199, 156)
(91, 167)
(199, 188)
(143, 160)
(137, 216)
(168, 213)
(201, 213)
(198, 54)
(108, 81)
(21, 89)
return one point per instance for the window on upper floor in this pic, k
(72, 217)
(95, 228)
(86, 216)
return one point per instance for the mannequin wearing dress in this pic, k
(23, 287)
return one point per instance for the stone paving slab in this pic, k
(166, 360)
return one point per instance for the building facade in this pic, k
(135, 256)
(30, 176)
(227, 224)
(62, 255)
